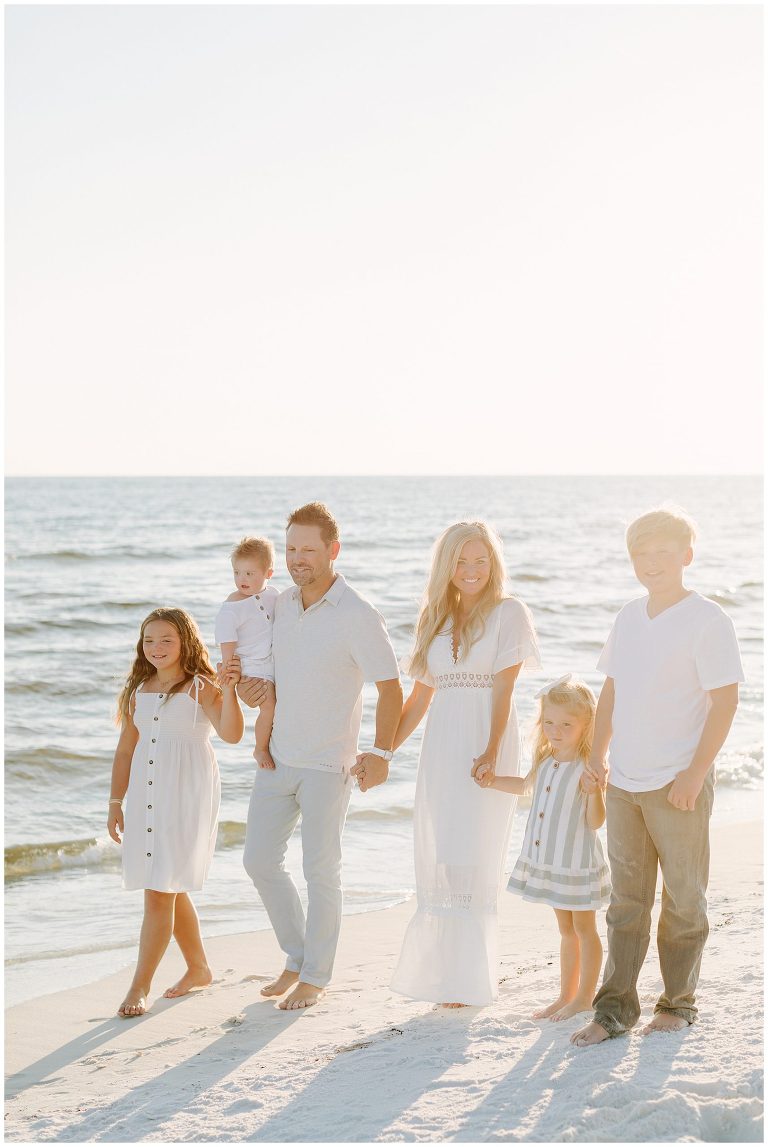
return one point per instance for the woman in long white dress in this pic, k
(471, 643)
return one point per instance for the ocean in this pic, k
(88, 558)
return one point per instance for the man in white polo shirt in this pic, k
(327, 640)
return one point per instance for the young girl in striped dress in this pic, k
(562, 863)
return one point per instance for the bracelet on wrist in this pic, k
(115, 800)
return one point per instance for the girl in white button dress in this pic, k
(166, 771)
(561, 862)
(471, 642)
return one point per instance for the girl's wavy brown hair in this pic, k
(194, 657)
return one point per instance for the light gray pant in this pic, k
(279, 797)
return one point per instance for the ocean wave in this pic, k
(741, 768)
(48, 688)
(49, 757)
(28, 859)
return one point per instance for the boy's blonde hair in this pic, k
(259, 548)
(440, 603)
(670, 521)
(571, 694)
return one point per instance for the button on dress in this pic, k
(172, 802)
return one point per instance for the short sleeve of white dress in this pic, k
(517, 642)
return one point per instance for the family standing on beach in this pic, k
(672, 670)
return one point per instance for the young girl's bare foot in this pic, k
(134, 1004)
(281, 985)
(572, 1009)
(665, 1022)
(302, 996)
(545, 1013)
(263, 759)
(192, 978)
(591, 1034)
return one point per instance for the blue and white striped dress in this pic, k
(562, 862)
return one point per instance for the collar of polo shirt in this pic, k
(332, 595)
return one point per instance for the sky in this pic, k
(383, 240)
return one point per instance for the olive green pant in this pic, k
(644, 832)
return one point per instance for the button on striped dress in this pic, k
(561, 862)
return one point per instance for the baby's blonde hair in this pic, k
(259, 548)
(579, 698)
(669, 521)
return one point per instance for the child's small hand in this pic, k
(598, 770)
(588, 782)
(483, 771)
(229, 673)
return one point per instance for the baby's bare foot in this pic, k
(134, 1004)
(192, 978)
(545, 1013)
(665, 1022)
(591, 1034)
(572, 1009)
(302, 996)
(281, 985)
(263, 759)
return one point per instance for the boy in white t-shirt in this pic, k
(244, 628)
(672, 670)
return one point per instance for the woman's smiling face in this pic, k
(473, 570)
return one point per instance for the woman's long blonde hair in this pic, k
(193, 658)
(440, 603)
(580, 699)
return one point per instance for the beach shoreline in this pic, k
(368, 1065)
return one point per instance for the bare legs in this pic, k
(581, 956)
(263, 730)
(166, 914)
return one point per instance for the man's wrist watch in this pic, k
(387, 754)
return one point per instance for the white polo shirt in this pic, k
(322, 657)
(663, 669)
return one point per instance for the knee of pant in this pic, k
(260, 866)
(629, 917)
(323, 876)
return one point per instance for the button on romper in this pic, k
(172, 803)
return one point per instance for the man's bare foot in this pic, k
(665, 1022)
(281, 985)
(454, 1005)
(572, 1009)
(134, 1004)
(302, 996)
(192, 978)
(591, 1034)
(263, 759)
(545, 1013)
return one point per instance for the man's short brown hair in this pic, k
(316, 514)
(259, 548)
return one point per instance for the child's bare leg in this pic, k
(156, 930)
(263, 730)
(590, 963)
(569, 964)
(186, 931)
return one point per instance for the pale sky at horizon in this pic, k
(355, 240)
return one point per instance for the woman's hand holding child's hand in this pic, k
(484, 770)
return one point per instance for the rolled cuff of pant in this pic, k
(684, 1013)
(292, 966)
(609, 1024)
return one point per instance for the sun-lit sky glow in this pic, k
(311, 240)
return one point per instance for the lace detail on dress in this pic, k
(436, 902)
(463, 680)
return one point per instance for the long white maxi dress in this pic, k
(172, 802)
(461, 831)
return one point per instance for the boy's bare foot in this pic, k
(591, 1034)
(262, 758)
(545, 1013)
(571, 1009)
(302, 996)
(134, 1004)
(665, 1022)
(192, 978)
(281, 985)
(454, 1005)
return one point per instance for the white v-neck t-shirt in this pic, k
(663, 668)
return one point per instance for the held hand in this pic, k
(599, 770)
(589, 783)
(684, 791)
(228, 675)
(252, 690)
(484, 769)
(370, 770)
(115, 823)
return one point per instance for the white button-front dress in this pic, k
(172, 803)
(461, 831)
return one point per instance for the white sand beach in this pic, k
(367, 1065)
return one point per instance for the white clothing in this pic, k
(172, 802)
(663, 668)
(461, 831)
(561, 862)
(278, 797)
(249, 622)
(322, 657)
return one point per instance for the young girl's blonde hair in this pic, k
(194, 657)
(579, 698)
(441, 598)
